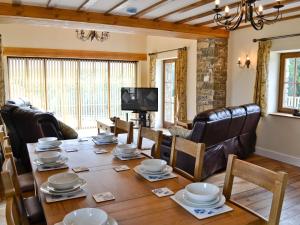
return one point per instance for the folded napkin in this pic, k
(203, 213)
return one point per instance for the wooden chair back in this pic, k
(153, 135)
(274, 182)
(12, 211)
(9, 167)
(122, 127)
(4, 141)
(193, 149)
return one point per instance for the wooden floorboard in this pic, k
(259, 199)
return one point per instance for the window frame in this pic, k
(78, 61)
(283, 57)
(165, 123)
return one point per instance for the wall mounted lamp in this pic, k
(247, 62)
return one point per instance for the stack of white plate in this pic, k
(126, 151)
(201, 195)
(90, 216)
(157, 167)
(48, 143)
(63, 184)
(104, 138)
(50, 159)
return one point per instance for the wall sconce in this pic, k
(247, 62)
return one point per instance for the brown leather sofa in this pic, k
(26, 124)
(225, 131)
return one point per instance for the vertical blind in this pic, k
(77, 91)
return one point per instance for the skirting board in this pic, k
(293, 160)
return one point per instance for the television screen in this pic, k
(139, 99)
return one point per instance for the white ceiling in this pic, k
(169, 6)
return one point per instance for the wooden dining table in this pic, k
(134, 203)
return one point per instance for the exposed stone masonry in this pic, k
(211, 73)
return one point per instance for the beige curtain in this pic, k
(180, 86)
(152, 74)
(261, 83)
(2, 87)
(152, 70)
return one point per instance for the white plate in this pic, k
(51, 191)
(168, 169)
(61, 161)
(111, 221)
(185, 197)
(46, 146)
(180, 198)
(115, 152)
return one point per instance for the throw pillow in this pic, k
(67, 131)
(179, 131)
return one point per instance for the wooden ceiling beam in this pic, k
(108, 21)
(115, 6)
(184, 9)
(48, 4)
(268, 6)
(82, 5)
(150, 8)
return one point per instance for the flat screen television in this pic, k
(139, 99)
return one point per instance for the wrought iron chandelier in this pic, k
(247, 11)
(92, 35)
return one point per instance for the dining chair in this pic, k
(152, 135)
(122, 127)
(191, 148)
(12, 213)
(29, 210)
(24, 182)
(274, 182)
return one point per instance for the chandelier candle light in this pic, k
(92, 35)
(247, 11)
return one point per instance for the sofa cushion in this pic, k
(67, 131)
(179, 131)
(238, 117)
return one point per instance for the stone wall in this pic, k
(211, 73)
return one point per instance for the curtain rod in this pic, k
(153, 53)
(276, 37)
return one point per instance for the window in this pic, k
(169, 92)
(289, 89)
(77, 91)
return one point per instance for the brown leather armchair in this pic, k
(224, 131)
(26, 124)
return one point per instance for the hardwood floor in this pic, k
(254, 197)
(259, 200)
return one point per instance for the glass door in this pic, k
(169, 101)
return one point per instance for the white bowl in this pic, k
(105, 137)
(47, 140)
(201, 192)
(126, 148)
(63, 180)
(154, 165)
(49, 157)
(86, 216)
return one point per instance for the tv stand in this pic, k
(143, 118)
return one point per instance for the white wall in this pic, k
(30, 36)
(276, 135)
(156, 44)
